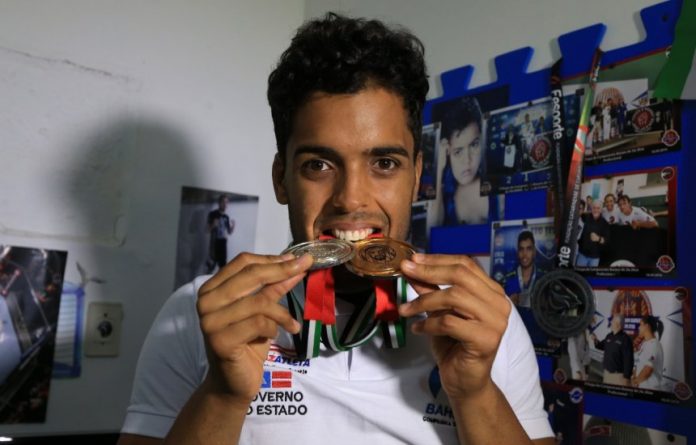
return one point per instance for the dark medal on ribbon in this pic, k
(562, 300)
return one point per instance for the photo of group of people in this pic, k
(522, 251)
(626, 121)
(519, 151)
(638, 345)
(31, 281)
(627, 224)
(214, 226)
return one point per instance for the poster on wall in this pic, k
(214, 226)
(626, 122)
(519, 152)
(628, 224)
(461, 126)
(638, 346)
(565, 408)
(601, 431)
(522, 251)
(31, 281)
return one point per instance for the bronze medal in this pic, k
(379, 257)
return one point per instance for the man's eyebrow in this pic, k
(329, 152)
(383, 151)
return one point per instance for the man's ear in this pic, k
(278, 172)
(419, 170)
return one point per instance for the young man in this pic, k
(520, 280)
(218, 367)
(633, 216)
(220, 226)
(610, 211)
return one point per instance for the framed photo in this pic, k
(599, 430)
(519, 152)
(565, 408)
(214, 226)
(627, 122)
(522, 251)
(31, 281)
(628, 224)
(638, 346)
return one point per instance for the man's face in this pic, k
(625, 206)
(464, 149)
(596, 209)
(526, 253)
(616, 323)
(222, 204)
(349, 169)
(609, 203)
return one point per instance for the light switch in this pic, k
(103, 329)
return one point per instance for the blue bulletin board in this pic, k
(642, 59)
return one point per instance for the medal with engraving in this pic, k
(379, 257)
(327, 253)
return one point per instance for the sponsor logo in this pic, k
(277, 379)
(559, 376)
(434, 412)
(682, 391)
(667, 173)
(576, 395)
(643, 119)
(280, 357)
(665, 264)
(670, 138)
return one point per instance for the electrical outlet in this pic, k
(103, 329)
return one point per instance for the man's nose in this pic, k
(351, 190)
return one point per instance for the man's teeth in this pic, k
(352, 235)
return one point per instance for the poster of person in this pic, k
(628, 224)
(31, 281)
(519, 152)
(214, 227)
(460, 166)
(602, 431)
(522, 251)
(418, 237)
(565, 407)
(638, 345)
(626, 122)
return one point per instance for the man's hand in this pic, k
(465, 321)
(240, 315)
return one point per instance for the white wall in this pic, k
(106, 109)
(473, 32)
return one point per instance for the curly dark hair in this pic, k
(341, 55)
(459, 115)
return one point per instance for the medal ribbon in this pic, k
(568, 242)
(318, 316)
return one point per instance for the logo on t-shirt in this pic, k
(436, 412)
(277, 379)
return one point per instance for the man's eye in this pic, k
(316, 165)
(386, 164)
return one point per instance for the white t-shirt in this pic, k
(370, 393)
(637, 214)
(613, 216)
(650, 354)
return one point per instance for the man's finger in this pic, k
(251, 280)
(238, 263)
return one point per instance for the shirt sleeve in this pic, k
(170, 367)
(520, 381)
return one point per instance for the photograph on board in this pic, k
(626, 122)
(598, 430)
(638, 345)
(628, 224)
(519, 144)
(31, 281)
(565, 408)
(522, 251)
(460, 166)
(214, 227)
